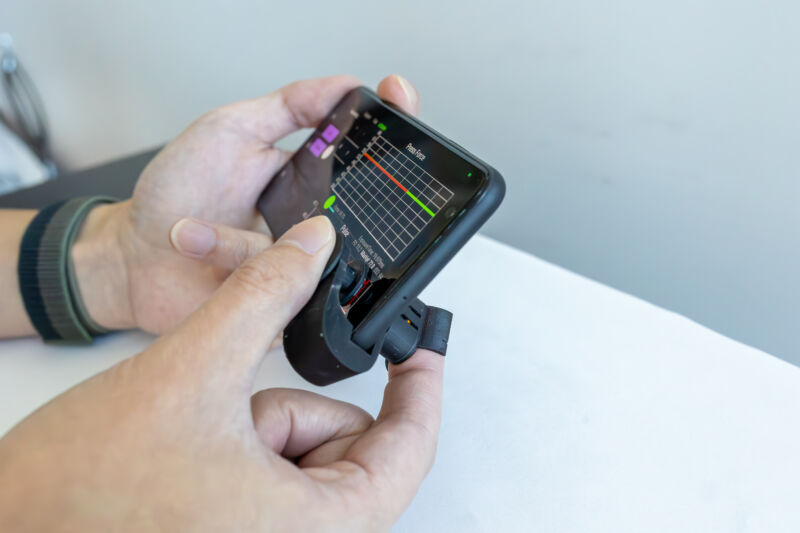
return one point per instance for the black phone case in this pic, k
(438, 253)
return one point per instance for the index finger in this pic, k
(398, 450)
(303, 104)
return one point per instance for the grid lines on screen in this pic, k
(390, 194)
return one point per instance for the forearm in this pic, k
(13, 318)
(100, 270)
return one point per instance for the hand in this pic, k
(171, 439)
(214, 171)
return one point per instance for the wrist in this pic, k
(101, 269)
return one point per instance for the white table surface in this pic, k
(569, 406)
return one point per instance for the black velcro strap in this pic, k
(28, 272)
(47, 276)
(436, 330)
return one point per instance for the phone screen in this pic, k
(388, 187)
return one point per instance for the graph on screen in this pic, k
(390, 194)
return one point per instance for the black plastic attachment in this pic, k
(318, 341)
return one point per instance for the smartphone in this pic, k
(403, 197)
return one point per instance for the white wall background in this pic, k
(650, 145)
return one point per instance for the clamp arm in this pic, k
(318, 341)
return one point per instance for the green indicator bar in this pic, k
(423, 206)
(382, 126)
(329, 202)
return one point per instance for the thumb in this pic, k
(221, 345)
(215, 244)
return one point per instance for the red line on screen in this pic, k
(384, 171)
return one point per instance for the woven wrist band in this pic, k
(46, 274)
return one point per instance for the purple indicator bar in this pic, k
(317, 147)
(330, 133)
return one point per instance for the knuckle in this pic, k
(241, 252)
(217, 121)
(278, 397)
(215, 117)
(263, 402)
(363, 421)
(265, 276)
(260, 399)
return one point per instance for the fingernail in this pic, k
(409, 90)
(194, 238)
(310, 235)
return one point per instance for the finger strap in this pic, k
(420, 326)
(435, 330)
